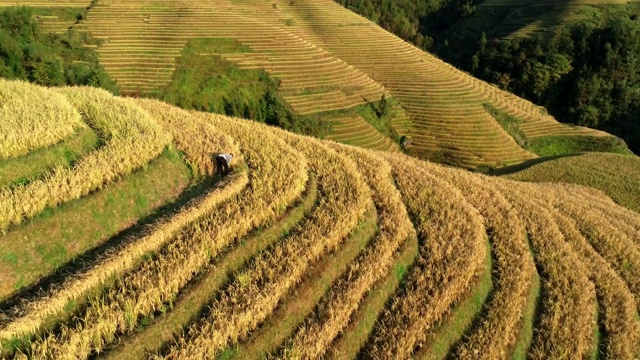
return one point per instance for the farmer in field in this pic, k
(223, 161)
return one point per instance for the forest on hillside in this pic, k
(29, 53)
(584, 73)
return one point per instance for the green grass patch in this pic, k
(598, 347)
(615, 175)
(379, 115)
(510, 124)
(39, 246)
(560, 145)
(154, 333)
(442, 339)
(204, 81)
(302, 300)
(217, 46)
(354, 337)
(525, 336)
(27, 168)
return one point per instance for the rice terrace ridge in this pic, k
(120, 240)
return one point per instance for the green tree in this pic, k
(28, 53)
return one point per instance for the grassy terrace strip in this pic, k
(191, 303)
(450, 257)
(39, 252)
(273, 185)
(23, 169)
(496, 333)
(525, 336)
(351, 340)
(132, 139)
(442, 339)
(334, 311)
(32, 315)
(568, 297)
(617, 307)
(256, 291)
(291, 312)
(32, 117)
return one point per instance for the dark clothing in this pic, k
(223, 163)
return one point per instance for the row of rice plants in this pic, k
(618, 212)
(194, 298)
(453, 251)
(626, 220)
(33, 313)
(333, 313)
(272, 186)
(514, 272)
(301, 300)
(621, 335)
(256, 291)
(201, 141)
(132, 139)
(32, 117)
(565, 325)
(609, 239)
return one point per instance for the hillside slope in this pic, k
(334, 252)
(525, 18)
(143, 39)
(616, 175)
(447, 106)
(332, 64)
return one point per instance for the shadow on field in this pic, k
(87, 259)
(507, 170)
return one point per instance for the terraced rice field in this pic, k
(528, 18)
(338, 252)
(143, 38)
(329, 60)
(444, 104)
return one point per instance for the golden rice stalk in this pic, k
(617, 306)
(514, 267)
(451, 254)
(31, 117)
(344, 297)
(132, 139)
(125, 258)
(273, 185)
(256, 290)
(565, 329)
(614, 241)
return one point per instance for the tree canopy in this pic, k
(585, 72)
(29, 53)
